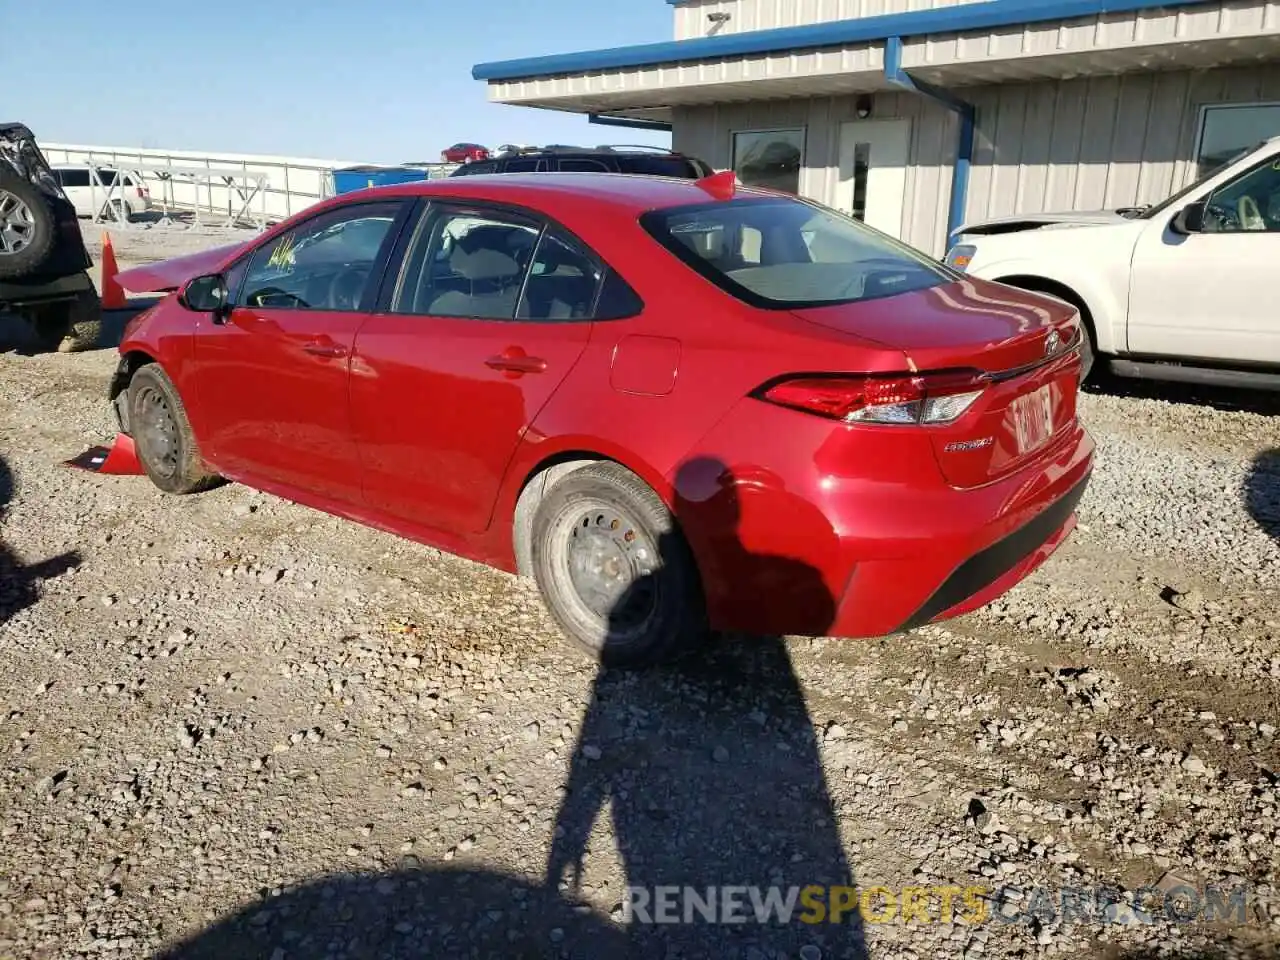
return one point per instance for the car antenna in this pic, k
(721, 186)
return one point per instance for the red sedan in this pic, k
(680, 406)
(464, 153)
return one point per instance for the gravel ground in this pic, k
(236, 727)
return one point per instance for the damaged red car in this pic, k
(680, 406)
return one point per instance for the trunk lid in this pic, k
(1021, 342)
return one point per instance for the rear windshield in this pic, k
(785, 253)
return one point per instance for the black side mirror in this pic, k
(1190, 219)
(206, 294)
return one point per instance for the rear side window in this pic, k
(785, 254)
(583, 165)
(74, 178)
(491, 264)
(659, 167)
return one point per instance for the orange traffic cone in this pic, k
(112, 295)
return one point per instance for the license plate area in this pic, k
(1033, 419)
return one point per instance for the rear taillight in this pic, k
(927, 398)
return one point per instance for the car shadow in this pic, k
(18, 582)
(412, 913)
(1262, 492)
(708, 772)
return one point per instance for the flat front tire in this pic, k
(614, 569)
(162, 434)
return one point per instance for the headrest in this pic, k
(478, 255)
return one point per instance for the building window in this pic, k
(1228, 129)
(769, 158)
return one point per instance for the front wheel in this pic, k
(615, 572)
(162, 434)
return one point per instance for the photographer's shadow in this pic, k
(713, 777)
(19, 582)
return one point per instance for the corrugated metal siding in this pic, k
(667, 84)
(1096, 143)
(1084, 144)
(1231, 18)
(707, 132)
(691, 18)
(1111, 43)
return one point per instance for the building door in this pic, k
(873, 172)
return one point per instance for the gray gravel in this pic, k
(235, 727)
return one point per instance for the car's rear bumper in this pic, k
(860, 536)
(880, 592)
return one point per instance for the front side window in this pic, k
(1248, 204)
(782, 253)
(74, 177)
(769, 158)
(326, 263)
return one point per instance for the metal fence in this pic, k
(232, 188)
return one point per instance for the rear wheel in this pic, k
(162, 434)
(26, 226)
(614, 570)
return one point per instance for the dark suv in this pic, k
(649, 161)
(44, 265)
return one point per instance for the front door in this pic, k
(489, 314)
(272, 380)
(873, 172)
(1206, 295)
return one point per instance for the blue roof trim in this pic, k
(985, 15)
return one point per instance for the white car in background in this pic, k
(102, 196)
(1182, 290)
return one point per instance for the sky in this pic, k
(379, 81)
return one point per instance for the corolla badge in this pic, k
(1051, 343)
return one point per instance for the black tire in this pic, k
(84, 331)
(117, 210)
(162, 434)
(37, 236)
(614, 569)
(1086, 353)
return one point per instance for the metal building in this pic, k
(921, 115)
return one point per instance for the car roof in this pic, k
(633, 193)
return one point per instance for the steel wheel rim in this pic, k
(610, 563)
(156, 432)
(17, 224)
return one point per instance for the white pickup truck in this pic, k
(1174, 291)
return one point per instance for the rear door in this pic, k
(272, 380)
(489, 314)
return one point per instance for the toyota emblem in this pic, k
(1051, 343)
